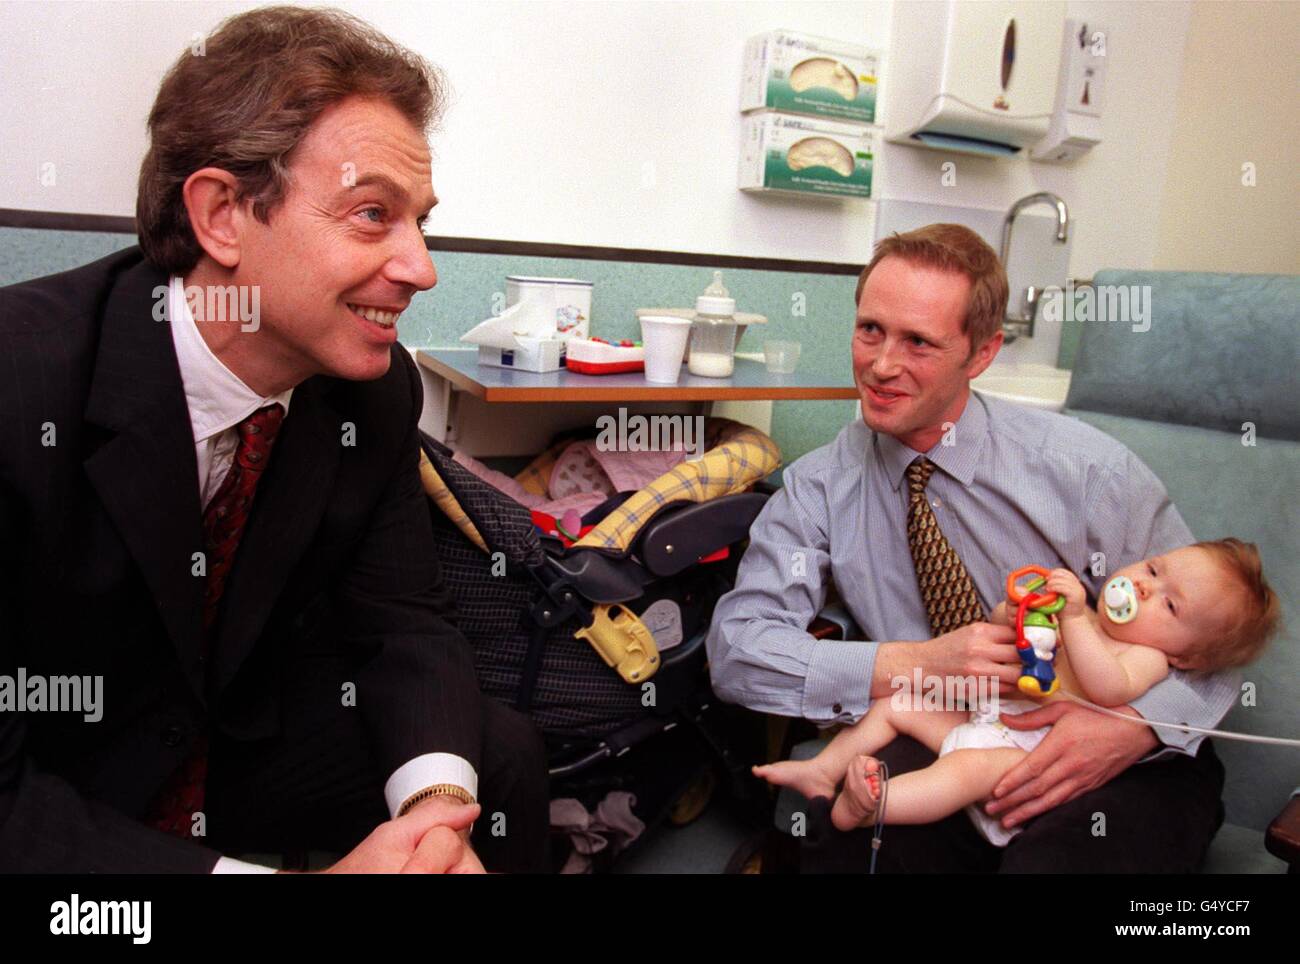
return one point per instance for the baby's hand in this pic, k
(1001, 615)
(1067, 584)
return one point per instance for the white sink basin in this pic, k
(1040, 386)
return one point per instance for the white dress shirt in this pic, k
(218, 400)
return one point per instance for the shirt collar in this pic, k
(958, 459)
(217, 398)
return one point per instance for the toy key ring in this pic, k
(1037, 631)
(1048, 603)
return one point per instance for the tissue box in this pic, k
(806, 155)
(803, 74)
(537, 355)
(567, 299)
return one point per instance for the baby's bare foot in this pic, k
(806, 776)
(856, 805)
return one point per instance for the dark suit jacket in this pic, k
(97, 539)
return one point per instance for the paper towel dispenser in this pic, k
(977, 78)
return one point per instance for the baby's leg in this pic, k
(927, 727)
(820, 776)
(923, 796)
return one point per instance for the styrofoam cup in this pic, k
(664, 338)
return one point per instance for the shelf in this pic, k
(751, 381)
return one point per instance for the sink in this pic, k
(1039, 386)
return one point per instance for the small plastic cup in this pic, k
(664, 338)
(782, 357)
(713, 349)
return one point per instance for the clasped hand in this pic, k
(433, 838)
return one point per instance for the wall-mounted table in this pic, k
(498, 411)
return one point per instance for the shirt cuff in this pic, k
(429, 770)
(1168, 702)
(1163, 753)
(837, 688)
(229, 865)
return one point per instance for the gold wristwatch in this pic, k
(437, 790)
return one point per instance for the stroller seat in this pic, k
(604, 636)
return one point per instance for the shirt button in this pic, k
(837, 708)
(938, 503)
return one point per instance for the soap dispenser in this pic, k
(713, 335)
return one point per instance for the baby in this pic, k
(1203, 607)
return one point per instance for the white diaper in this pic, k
(986, 732)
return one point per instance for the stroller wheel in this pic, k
(748, 858)
(767, 851)
(694, 800)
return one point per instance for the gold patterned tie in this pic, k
(946, 587)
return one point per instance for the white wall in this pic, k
(1236, 106)
(1114, 192)
(591, 123)
(615, 123)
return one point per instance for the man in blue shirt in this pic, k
(1004, 486)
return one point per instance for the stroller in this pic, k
(601, 640)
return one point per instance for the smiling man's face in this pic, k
(912, 362)
(344, 253)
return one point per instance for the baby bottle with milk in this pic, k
(713, 335)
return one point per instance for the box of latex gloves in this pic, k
(806, 155)
(801, 74)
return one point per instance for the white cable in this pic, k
(1185, 727)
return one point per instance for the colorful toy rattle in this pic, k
(1037, 631)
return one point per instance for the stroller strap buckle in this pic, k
(622, 641)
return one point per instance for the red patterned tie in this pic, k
(223, 526)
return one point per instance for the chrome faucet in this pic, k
(1022, 322)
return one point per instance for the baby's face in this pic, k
(1184, 600)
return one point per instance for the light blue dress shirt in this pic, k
(1014, 486)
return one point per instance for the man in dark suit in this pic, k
(210, 499)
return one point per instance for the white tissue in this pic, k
(519, 325)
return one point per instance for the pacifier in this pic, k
(1120, 600)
